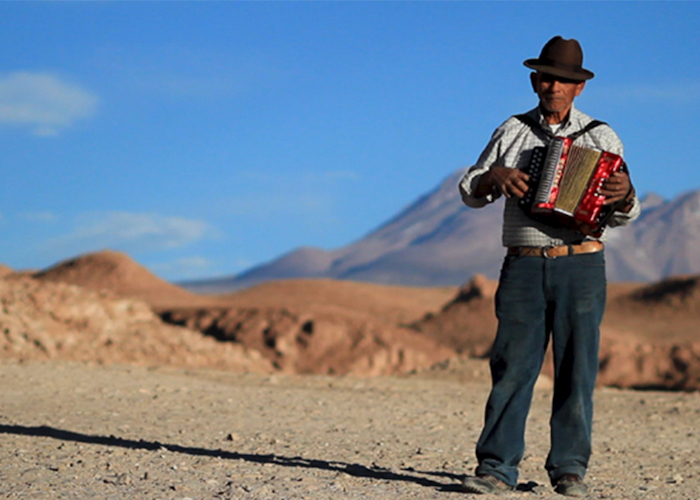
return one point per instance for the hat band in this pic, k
(562, 65)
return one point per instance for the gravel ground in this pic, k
(79, 431)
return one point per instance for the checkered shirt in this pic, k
(511, 146)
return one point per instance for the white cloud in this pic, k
(39, 217)
(44, 102)
(133, 232)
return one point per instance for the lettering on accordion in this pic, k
(564, 184)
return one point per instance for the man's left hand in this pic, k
(615, 188)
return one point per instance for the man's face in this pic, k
(556, 93)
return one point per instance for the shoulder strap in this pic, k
(593, 124)
(535, 125)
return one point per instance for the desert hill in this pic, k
(300, 327)
(467, 322)
(121, 275)
(325, 326)
(674, 293)
(667, 311)
(648, 335)
(655, 340)
(5, 270)
(48, 320)
(393, 304)
(107, 307)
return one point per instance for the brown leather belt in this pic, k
(558, 251)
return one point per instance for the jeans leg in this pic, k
(516, 360)
(578, 282)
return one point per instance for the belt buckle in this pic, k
(545, 254)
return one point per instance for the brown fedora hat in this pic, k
(562, 58)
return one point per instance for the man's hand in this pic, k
(616, 188)
(509, 181)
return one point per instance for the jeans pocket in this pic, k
(590, 260)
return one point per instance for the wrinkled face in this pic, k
(556, 93)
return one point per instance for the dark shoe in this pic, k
(570, 485)
(484, 484)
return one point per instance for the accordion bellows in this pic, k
(564, 184)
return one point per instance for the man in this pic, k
(552, 283)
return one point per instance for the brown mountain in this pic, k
(301, 326)
(322, 325)
(117, 273)
(50, 320)
(648, 335)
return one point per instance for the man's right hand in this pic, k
(509, 181)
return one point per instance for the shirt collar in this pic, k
(570, 119)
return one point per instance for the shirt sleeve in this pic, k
(470, 180)
(622, 219)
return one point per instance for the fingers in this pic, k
(510, 181)
(515, 187)
(615, 188)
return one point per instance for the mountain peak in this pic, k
(651, 200)
(438, 241)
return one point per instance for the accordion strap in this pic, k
(535, 125)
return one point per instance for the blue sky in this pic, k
(203, 138)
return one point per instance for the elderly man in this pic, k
(552, 283)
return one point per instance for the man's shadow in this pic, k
(408, 475)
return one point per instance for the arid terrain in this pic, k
(120, 385)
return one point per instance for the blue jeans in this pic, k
(536, 298)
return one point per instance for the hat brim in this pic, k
(578, 74)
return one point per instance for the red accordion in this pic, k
(564, 184)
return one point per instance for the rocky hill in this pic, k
(648, 336)
(51, 320)
(118, 273)
(293, 327)
(105, 308)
